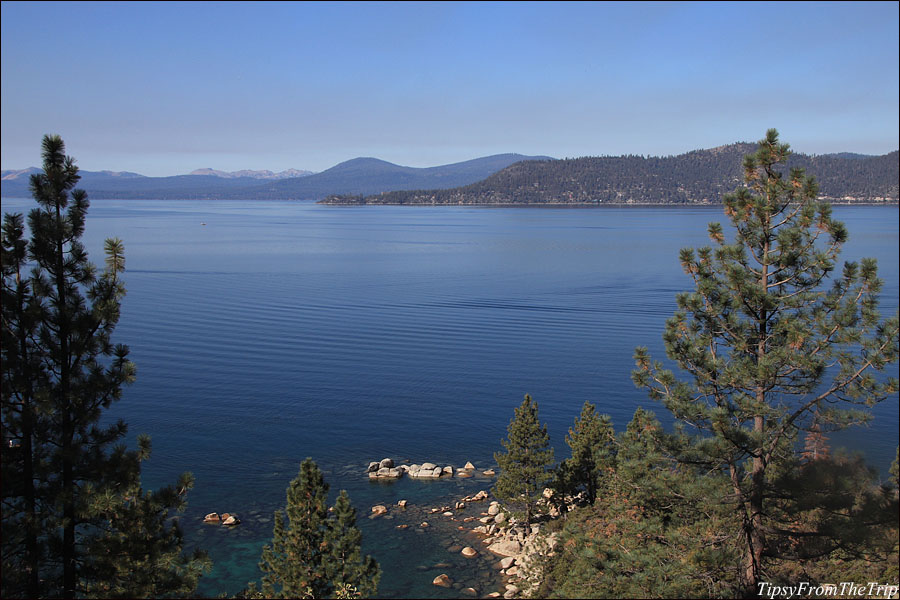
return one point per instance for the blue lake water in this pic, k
(266, 332)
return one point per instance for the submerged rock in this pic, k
(469, 552)
(443, 580)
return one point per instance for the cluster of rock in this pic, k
(482, 495)
(385, 469)
(224, 519)
(519, 546)
(443, 580)
(428, 471)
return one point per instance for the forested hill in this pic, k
(698, 177)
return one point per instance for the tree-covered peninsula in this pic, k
(698, 177)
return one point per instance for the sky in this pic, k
(166, 88)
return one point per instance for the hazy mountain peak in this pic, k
(261, 174)
(13, 174)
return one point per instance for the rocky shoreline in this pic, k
(474, 521)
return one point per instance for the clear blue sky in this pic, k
(165, 88)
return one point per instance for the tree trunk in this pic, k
(755, 543)
(68, 427)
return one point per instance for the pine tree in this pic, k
(525, 466)
(815, 444)
(60, 371)
(293, 563)
(767, 347)
(346, 568)
(592, 441)
(312, 555)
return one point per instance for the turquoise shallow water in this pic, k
(267, 332)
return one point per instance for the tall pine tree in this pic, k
(770, 351)
(60, 371)
(525, 466)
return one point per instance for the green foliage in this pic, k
(140, 555)
(525, 466)
(75, 519)
(655, 534)
(592, 441)
(830, 503)
(313, 555)
(769, 350)
(895, 469)
(351, 574)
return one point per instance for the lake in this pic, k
(266, 332)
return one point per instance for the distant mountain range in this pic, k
(288, 174)
(357, 176)
(698, 177)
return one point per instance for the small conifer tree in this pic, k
(313, 555)
(346, 568)
(525, 466)
(592, 441)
